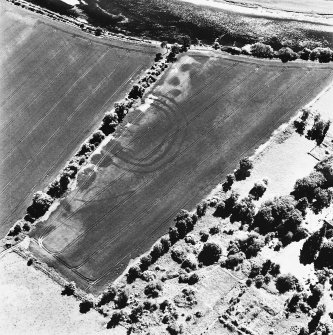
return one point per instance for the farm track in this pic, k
(55, 89)
(174, 123)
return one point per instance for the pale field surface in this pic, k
(316, 10)
(31, 303)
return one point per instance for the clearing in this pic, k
(205, 113)
(55, 86)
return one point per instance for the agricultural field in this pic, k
(56, 83)
(206, 112)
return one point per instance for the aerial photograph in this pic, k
(166, 167)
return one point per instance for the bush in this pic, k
(286, 283)
(152, 290)
(158, 57)
(41, 202)
(245, 166)
(209, 254)
(262, 50)
(258, 190)
(225, 208)
(325, 166)
(286, 54)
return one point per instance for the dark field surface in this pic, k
(55, 87)
(171, 19)
(204, 115)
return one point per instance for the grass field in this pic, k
(205, 113)
(55, 87)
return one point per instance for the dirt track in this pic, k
(205, 114)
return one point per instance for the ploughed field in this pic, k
(204, 114)
(55, 87)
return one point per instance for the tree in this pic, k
(202, 208)
(286, 283)
(86, 305)
(317, 291)
(318, 131)
(41, 202)
(152, 290)
(243, 211)
(69, 289)
(325, 256)
(98, 31)
(108, 295)
(134, 272)
(322, 199)
(228, 183)
(251, 245)
(209, 254)
(286, 54)
(186, 41)
(302, 205)
(164, 45)
(325, 166)
(262, 50)
(109, 123)
(116, 317)
(245, 166)
(312, 245)
(158, 57)
(258, 190)
(305, 187)
(145, 262)
(122, 299)
(136, 92)
(305, 54)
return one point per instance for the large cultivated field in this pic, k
(55, 87)
(205, 113)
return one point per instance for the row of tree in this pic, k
(262, 50)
